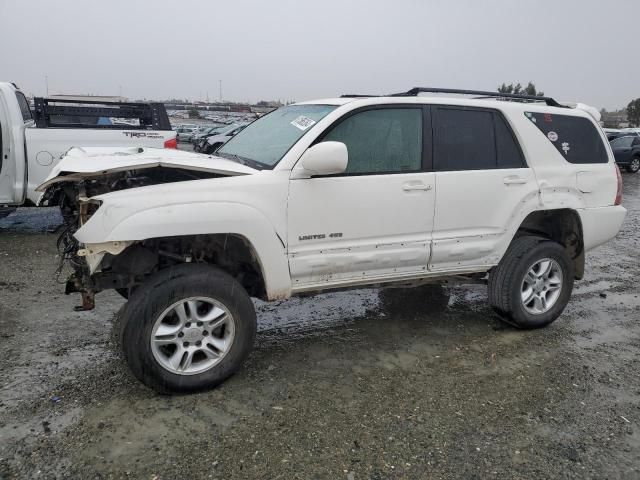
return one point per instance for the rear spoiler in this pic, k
(593, 111)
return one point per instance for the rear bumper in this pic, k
(599, 225)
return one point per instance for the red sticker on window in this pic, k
(547, 117)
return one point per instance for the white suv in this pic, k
(394, 190)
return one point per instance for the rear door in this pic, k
(372, 222)
(481, 178)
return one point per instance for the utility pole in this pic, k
(220, 84)
(46, 83)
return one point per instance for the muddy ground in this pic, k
(365, 384)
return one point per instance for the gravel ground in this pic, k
(424, 383)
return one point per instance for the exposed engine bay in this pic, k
(119, 272)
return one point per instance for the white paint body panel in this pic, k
(90, 162)
(313, 234)
(369, 226)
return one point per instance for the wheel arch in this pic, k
(209, 223)
(562, 225)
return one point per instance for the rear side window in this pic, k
(24, 107)
(381, 141)
(576, 138)
(473, 139)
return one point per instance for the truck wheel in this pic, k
(188, 328)
(532, 284)
(634, 166)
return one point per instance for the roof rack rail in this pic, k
(357, 95)
(479, 93)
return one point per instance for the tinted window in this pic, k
(463, 140)
(385, 140)
(576, 138)
(509, 153)
(24, 107)
(622, 142)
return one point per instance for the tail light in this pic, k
(171, 143)
(618, 199)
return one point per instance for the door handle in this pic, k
(408, 187)
(514, 180)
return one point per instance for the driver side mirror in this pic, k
(326, 158)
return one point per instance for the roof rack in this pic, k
(480, 94)
(357, 95)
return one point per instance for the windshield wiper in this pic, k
(243, 160)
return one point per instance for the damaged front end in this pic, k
(86, 173)
(109, 265)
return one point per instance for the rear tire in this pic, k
(169, 336)
(532, 284)
(634, 165)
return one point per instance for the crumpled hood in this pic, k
(86, 162)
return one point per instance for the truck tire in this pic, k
(532, 284)
(634, 165)
(188, 328)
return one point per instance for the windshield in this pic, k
(266, 140)
(622, 142)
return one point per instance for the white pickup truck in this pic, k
(30, 147)
(339, 193)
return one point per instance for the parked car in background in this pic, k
(612, 133)
(212, 143)
(185, 133)
(207, 131)
(627, 152)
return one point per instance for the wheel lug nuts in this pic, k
(199, 324)
(198, 343)
(205, 333)
(187, 324)
(185, 344)
(181, 335)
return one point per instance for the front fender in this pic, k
(114, 222)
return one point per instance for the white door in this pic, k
(374, 221)
(481, 179)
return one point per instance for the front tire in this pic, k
(188, 328)
(532, 284)
(634, 165)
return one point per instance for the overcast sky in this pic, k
(583, 50)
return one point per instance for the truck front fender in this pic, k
(114, 222)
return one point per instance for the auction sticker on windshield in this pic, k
(302, 122)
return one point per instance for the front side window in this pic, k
(265, 141)
(575, 138)
(381, 141)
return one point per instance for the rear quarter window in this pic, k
(24, 107)
(576, 138)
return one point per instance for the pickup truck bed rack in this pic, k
(57, 113)
(414, 92)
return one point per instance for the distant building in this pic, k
(615, 119)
